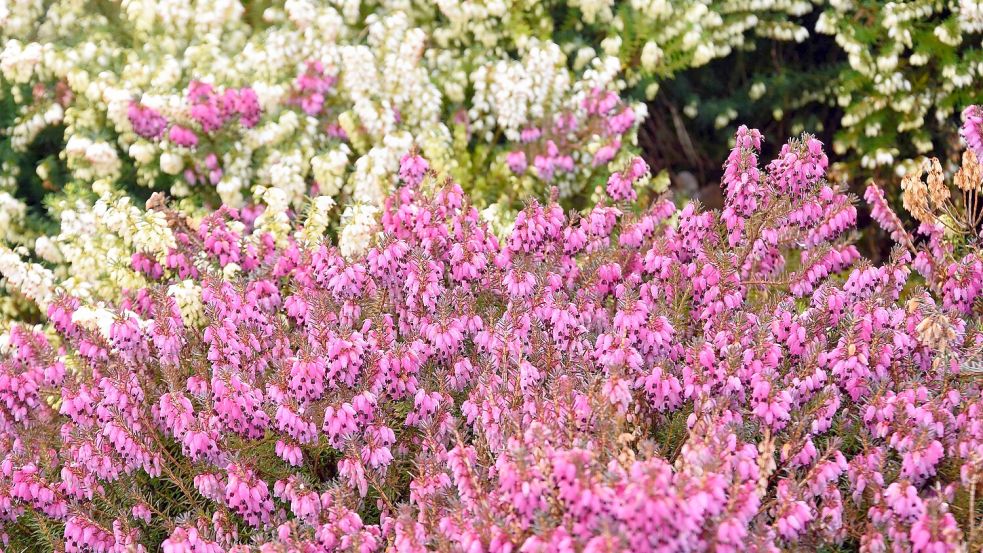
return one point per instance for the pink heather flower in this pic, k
(183, 136)
(82, 534)
(742, 181)
(412, 168)
(141, 511)
(147, 265)
(600, 102)
(940, 534)
(800, 164)
(248, 496)
(622, 122)
(881, 212)
(606, 153)
(794, 515)
(530, 134)
(545, 167)
(972, 129)
(146, 122)
(312, 88)
(517, 162)
(621, 185)
(244, 103)
(204, 106)
(291, 453)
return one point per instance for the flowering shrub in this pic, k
(493, 69)
(946, 246)
(298, 104)
(145, 92)
(646, 380)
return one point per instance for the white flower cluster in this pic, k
(187, 295)
(30, 279)
(666, 35)
(358, 225)
(899, 77)
(97, 242)
(510, 95)
(143, 231)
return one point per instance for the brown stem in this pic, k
(972, 512)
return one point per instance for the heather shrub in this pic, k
(886, 79)
(636, 377)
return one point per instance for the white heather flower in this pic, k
(274, 219)
(329, 169)
(510, 95)
(103, 158)
(230, 271)
(594, 10)
(97, 318)
(48, 250)
(31, 279)
(946, 36)
(12, 213)
(611, 45)
(230, 191)
(19, 61)
(358, 224)
(651, 55)
(171, 163)
(187, 295)
(55, 114)
(318, 217)
(143, 152)
(653, 9)
(757, 90)
(77, 146)
(724, 119)
(971, 16)
(651, 90)
(584, 56)
(301, 13)
(918, 59)
(17, 18)
(143, 231)
(702, 55)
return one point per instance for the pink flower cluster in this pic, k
(312, 87)
(210, 110)
(549, 147)
(146, 121)
(972, 129)
(617, 380)
(954, 275)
